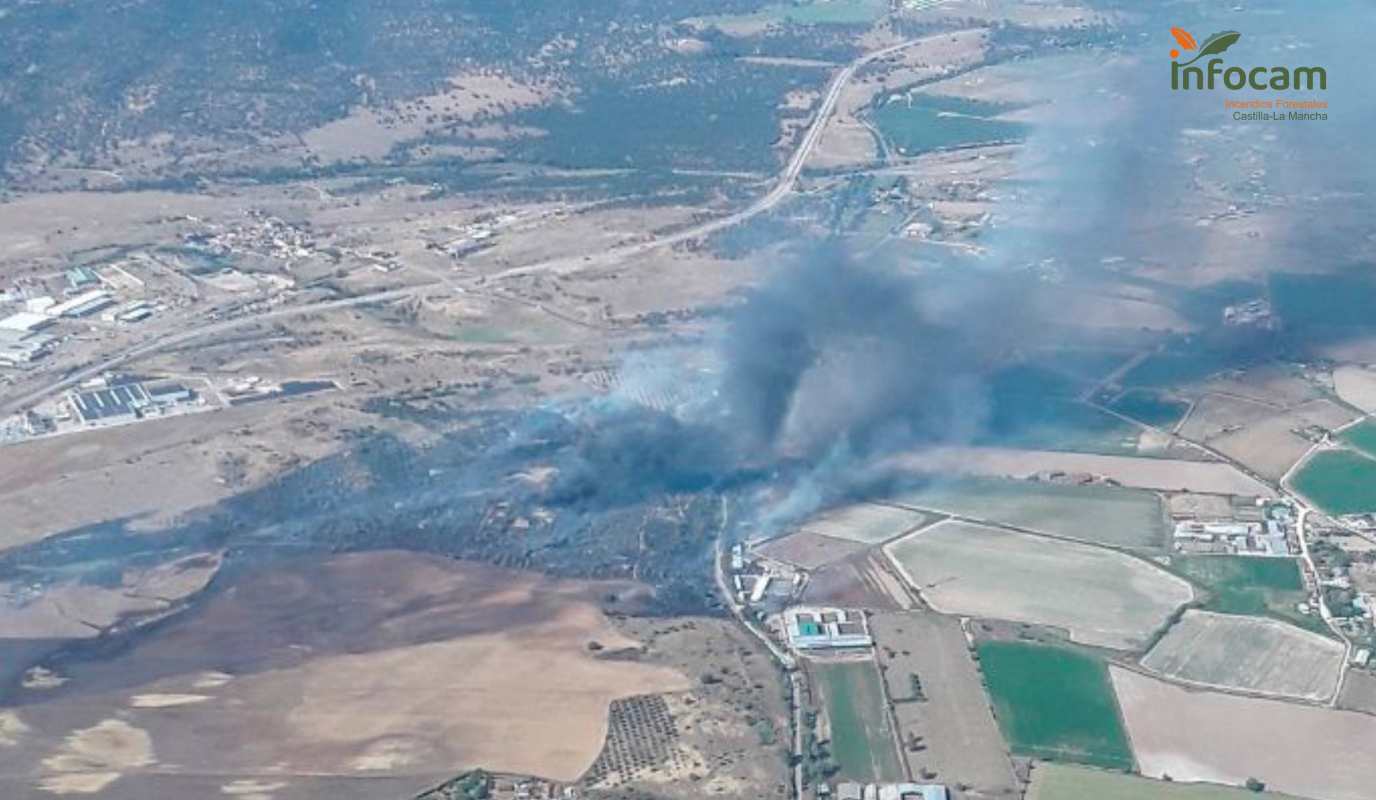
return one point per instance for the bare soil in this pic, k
(957, 740)
(1195, 735)
(378, 664)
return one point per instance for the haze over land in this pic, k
(694, 398)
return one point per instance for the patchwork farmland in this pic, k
(1100, 597)
(1249, 653)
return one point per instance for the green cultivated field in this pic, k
(861, 740)
(1064, 782)
(1055, 704)
(1150, 408)
(1362, 436)
(1339, 482)
(1247, 585)
(1168, 369)
(1097, 514)
(930, 122)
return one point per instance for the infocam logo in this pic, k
(1186, 76)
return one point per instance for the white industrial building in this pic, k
(850, 790)
(826, 629)
(82, 304)
(25, 322)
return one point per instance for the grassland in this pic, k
(1245, 585)
(1150, 408)
(861, 740)
(1362, 436)
(1066, 782)
(867, 523)
(1195, 735)
(1169, 369)
(1339, 482)
(922, 123)
(1096, 514)
(1101, 597)
(1055, 704)
(1249, 653)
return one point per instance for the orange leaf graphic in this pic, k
(1183, 36)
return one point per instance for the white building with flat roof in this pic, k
(83, 304)
(25, 321)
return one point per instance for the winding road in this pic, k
(783, 186)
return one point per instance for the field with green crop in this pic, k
(1362, 436)
(861, 739)
(1339, 482)
(1150, 408)
(1097, 514)
(920, 123)
(1055, 704)
(1066, 782)
(1248, 585)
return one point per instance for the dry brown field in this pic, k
(151, 472)
(958, 739)
(76, 610)
(808, 550)
(1274, 384)
(1198, 735)
(1202, 505)
(1251, 654)
(1168, 475)
(1359, 692)
(863, 581)
(1216, 414)
(1324, 412)
(1267, 447)
(385, 665)
(1356, 386)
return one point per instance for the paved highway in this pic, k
(783, 186)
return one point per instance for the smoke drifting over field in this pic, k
(829, 364)
(823, 367)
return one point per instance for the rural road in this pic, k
(783, 186)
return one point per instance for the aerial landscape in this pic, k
(677, 399)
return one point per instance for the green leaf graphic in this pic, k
(1219, 42)
(1215, 45)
